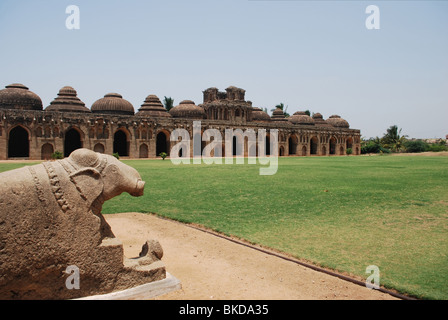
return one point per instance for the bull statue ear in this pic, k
(89, 183)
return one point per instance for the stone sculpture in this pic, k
(50, 220)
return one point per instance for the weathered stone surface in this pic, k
(50, 219)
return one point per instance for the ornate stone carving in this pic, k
(50, 219)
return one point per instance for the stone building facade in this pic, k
(112, 125)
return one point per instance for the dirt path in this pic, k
(210, 267)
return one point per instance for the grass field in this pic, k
(343, 213)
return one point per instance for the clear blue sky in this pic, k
(315, 55)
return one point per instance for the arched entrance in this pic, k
(349, 143)
(324, 150)
(333, 145)
(314, 145)
(143, 153)
(268, 145)
(121, 144)
(46, 151)
(18, 143)
(292, 142)
(72, 141)
(162, 143)
(304, 151)
(99, 147)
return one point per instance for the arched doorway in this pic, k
(304, 151)
(324, 150)
(121, 144)
(281, 152)
(314, 145)
(333, 145)
(46, 151)
(162, 143)
(99, 147)
(72, 141)
(268, 145)
(143, 153)
(18, 143)
(341, 151)
(349, 143)
(292, 142)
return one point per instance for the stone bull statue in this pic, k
(50, 220)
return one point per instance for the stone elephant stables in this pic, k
(111, 125)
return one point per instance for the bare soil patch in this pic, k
(210, 267)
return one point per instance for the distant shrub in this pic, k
(349, 151)
(371, 147)
(57, 155)
(437, 148)
(163, 155)
(416, 146)
(116, 155)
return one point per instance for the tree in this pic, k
(393, 139)
(168, 103)
(308, 112)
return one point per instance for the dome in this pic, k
(187, 109)
(17, 96)
(113, 103)
(152, 107)
(337, 121)
(259, 115)
(278, 115)
(300, 117)
(67, 101)
(319, 120)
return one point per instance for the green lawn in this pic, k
(344, 213)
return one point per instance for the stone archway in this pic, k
(121, 145)
(99, 147)
(143, 152)
(18, 143)
(162, 143)
(72, 141)
(314, 145)
(292, 144)
(304, 151)
(46, 151)
(333, 145)
(281, 151)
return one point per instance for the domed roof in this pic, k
(300, 117)
(113, 103)
(152, 107)
(187, 109)
(67, 101)
(278, 115)
(17, 96)
(258, 115)
(337, 121)
(319, 120)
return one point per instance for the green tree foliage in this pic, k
(413, 146)
(168, 103)
(393, 139)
